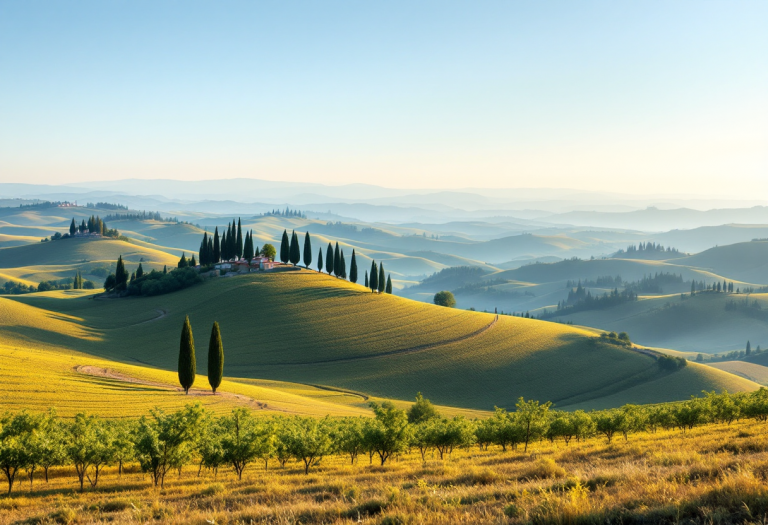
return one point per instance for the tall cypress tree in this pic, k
(239, 239)
(366, 278)
(187, 365)
(307, 250)
(382, 281)
(121, 275)
(320, 260)
(374, 279)
(329, 259)
(295, 250)
(215, 358)
(343, 266)
(389, 284)
(337, 261)
(72, 227)
(224, 246)
(353, 268)
(139, 270)
(285, 248)
(216, 246)
(203, 248)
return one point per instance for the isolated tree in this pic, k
(239, 241)
(215, 358)
(353, 268)
(389, 284)
(72, 227)
(366, 278)
(320, 260)
(295, 251)
(187, 365)
(216, 246)
(307, 250)
(374, 279)
(382, 281)
(749, 348)
(329, 259)
(445, 298)
(285, 248)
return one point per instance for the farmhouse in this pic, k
(243, 266)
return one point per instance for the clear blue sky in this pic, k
(642, 96)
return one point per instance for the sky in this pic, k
(642, 97)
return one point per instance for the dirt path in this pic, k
(160, 314)
(404, 351)
(97, 371)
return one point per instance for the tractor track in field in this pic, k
(107, 373)
(403, 351)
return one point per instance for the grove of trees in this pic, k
(161, 441)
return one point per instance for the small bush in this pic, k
(544, 468)
(213, 489)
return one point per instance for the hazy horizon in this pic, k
(652, 98)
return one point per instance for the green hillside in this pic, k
(745, 261)
(691, 324)
(58, 259)
(309, 328)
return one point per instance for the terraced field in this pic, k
(303, 327)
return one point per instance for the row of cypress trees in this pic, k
(334, 263)
(188, 364)
(231, 245)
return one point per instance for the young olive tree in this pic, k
(390, 432)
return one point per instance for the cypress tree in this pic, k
(329, 259)
(295, 251)
(139, 271)
(366, 278)
(343, 266)
(224, 246)
(192, 263)
(285, 248)
(382, 282)
(374, 279)
(187, 365)
(165, 269)
(749, 348)
(307, 250)
(83, 227)
(389, 284)
(353, 268)
(121, 275)
(72, 227)
(216, 246)
(183, 261)
(215, 358)
(337, 261)
(239, 239)
(203, 256)
(320, 260)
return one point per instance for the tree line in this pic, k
(77, 283)
(161, 442)
(334, 263)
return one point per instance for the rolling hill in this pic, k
(304, 327)
(58, 259)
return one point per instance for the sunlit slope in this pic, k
(57, 259)
(175, 235)
(751, 371)
(746, 261)
(691, 324)
(310, 328)
(37, 374)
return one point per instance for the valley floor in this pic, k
(711, 474)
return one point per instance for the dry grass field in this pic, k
(711, 474)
